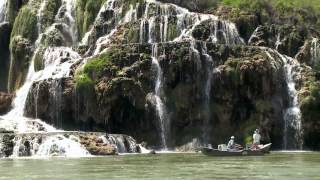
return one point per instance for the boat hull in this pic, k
(215, 152)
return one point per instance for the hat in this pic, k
(232, 137)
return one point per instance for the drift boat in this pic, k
(263, 149)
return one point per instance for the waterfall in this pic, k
(163, 117)
(164, 23)
(155, 25)
(315, 51)
(109, 5)
(292, 115)
(278, 42)
(292, 132)
(209, 64)
(3, 4)
(65, 15)
(40, 14)
(61, 146)
(123, 144)
(53, 69)
(57, 64)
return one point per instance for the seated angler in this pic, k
(231, 144)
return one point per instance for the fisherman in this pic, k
(256, 140)
(231, 144)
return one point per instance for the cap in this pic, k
(232, 137)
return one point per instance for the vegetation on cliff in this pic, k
(86, 12)
(25, 24)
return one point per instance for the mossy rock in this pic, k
(38, 58)
(54, 38)
(25, 24)
(21, 54)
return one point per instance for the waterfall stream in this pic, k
(54, 67)
(292, 132)
(209, 64)
(315, 52)
(292, 115)
(3, 4)
(164, 120)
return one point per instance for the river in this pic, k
(277, 165)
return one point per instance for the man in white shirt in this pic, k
(256, 137)
(256, 140)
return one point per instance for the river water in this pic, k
(277, 165)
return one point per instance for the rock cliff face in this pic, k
(121, 99)
(162, 73)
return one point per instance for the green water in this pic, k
(166, 166)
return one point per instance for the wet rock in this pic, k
(4, 55)
(246, 22)
(7, 144)
(97, 147)
(287, 39)
(5, 102)
(21, 50)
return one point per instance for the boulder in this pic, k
(97, 147)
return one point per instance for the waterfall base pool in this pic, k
(277, 165)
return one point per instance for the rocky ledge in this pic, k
(58, 144)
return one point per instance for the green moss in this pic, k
(21, 54)
(83, 81)
(25, 24)
(94, 68)
(92, 71)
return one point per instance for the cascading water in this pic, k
(109, 5)
(155, 24)
(66, 15)
(209, 64)
(124, 144)
(164, 120)
(40, 14)
(315, 52)
(292, 116)
(61, 146)
(278, 42)
(3, 4)
(293, 132)
(57, 64)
